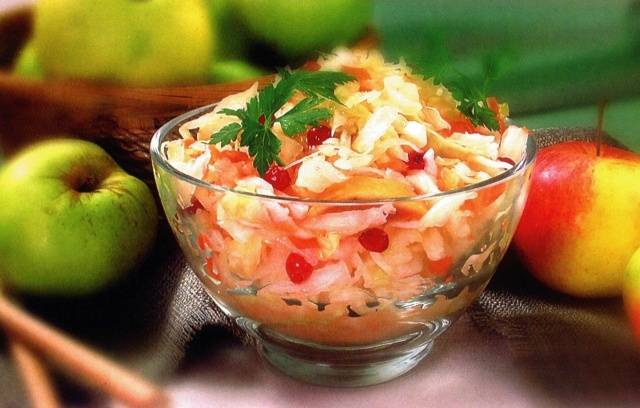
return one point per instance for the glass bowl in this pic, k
(362, 317)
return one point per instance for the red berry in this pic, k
(261, 119)
(507, 160)
(278, 177)
(318, 134)
(374, 239)
(298, 268)
(415, 161)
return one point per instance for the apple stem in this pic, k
(601, 107)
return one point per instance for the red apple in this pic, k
(631, 293)
(581, 223)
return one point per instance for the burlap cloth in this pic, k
(578, 349)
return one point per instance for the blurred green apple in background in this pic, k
(297, 28)
(233, 71)
(136, 42)
(28, 64)
(228, 27)
(71, 220)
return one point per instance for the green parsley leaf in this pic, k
(302, 115)
(264, 147)
(473, 102)
(226, 135)
(320, 83)
(285, 88)
(265, 103)
(257, 117)
(472, 94)
(239, 113)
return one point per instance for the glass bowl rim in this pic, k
(158, 158)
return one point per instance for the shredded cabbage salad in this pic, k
(391, 134)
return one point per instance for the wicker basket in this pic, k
(121, 119)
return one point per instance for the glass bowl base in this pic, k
(351, 366)
(343, 374)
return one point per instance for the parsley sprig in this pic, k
(473, 103)
(472, 95)
(257, 117)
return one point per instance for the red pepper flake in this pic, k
(494, 105)
(362, 76)
(262, 119)
(415, 161)
(439, 268)
(462, 125)
(234, 156)
(311, 66)
(317, 135)
(195, 206)
(210, 268)
(508, 160)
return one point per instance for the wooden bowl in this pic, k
(121, 119)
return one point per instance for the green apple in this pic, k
(27, 65)
(228, 26)
(233, 71)
(135, 42)
(71, 220)
(297, 28)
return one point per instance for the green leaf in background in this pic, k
(554, 61)
(554, 54)
(567, 81)
(622, 120)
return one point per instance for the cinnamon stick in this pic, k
(34, 376)
(86, 364)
